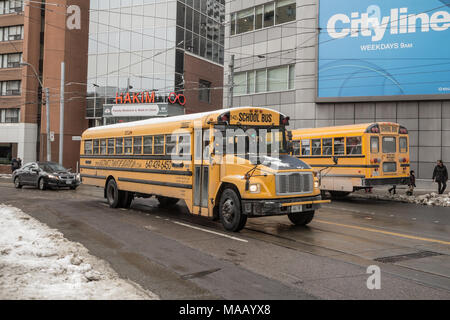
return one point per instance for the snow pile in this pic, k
(5, 176)
(37, 262)
(431, 199)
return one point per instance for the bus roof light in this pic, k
(285, 121)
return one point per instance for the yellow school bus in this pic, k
(228, 164)
(354, 157)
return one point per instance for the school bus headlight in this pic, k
(316, 184)
(254, 188)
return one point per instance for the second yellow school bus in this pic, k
(354, 157)
(208, 160)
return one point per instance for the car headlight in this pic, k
(53, 177)
(78, 177)
(254, 188)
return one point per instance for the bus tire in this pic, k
(301, 218)
(113, 194)
(125, 199)
(166, 202)
(339, 194)
(230, 211)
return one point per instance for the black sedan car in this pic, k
(45, 175)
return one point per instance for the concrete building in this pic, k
(163, 47)
(35, 40)
(276, 49)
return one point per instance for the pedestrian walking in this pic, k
(412, 183)
(394, 188)
(14, 165)
(440, 175)
(20, 162)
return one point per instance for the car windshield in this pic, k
(52, 167)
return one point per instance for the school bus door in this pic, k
(201, 171)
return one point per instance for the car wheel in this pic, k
(41, 184)
(112, 194)
(230, 211)
(301, 218)
(17, 183)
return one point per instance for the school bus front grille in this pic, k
(293, 183)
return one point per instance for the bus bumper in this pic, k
(385, 181)
(276, 207)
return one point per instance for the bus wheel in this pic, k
(301, 218)
(339, 194)
(230, 211)
(166, 202)
(112, 194)
(125, 199)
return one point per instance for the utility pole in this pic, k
(47, 112)
(231, 81)
(61, 114)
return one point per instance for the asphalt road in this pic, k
(179, 256)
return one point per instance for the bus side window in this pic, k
(128, 145)
(296, 148)
(88, 147)
(137, 145)
(119, 146)
(110, 146)
(403, 144)
(339, 146)
(184, 145)
(159, 145)
(354, 145)
(374, 144)
(171, 144)
(316, 147)
(103, 146)
(96, 145)
(148, 145)
(327, 147)
(306, 148)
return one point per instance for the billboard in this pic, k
(383, 48)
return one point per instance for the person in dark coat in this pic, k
(440, 175)
(14, 165)
(412, 183)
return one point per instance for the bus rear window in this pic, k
(354, 145)
(339, 146)
(403, 142)
(389, 145)
(374, 144)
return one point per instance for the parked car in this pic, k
(45, 175)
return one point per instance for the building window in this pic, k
(6, 152)
(265, 80)
(9, 115)
(10, 88)
(11, 6)
(263, 16)
(10, 60)
(11, 33)
(204, 92)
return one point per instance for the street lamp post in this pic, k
(47, 107)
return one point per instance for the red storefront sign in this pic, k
(147, 97)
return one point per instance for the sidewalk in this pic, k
(425, 193)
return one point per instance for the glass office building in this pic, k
(139, 45)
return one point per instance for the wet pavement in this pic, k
(179, 256)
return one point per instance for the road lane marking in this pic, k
(209, 231)
(395, 234)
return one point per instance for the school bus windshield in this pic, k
(240, 140)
